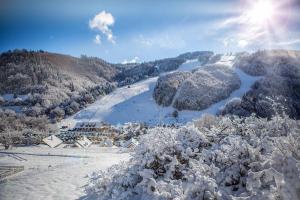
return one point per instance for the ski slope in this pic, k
(136, 104)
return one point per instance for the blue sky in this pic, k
(125, 30)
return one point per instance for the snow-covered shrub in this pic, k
(206, 121)
(231, 158)
(130, 130)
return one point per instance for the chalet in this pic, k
(52, 141)
(84, 142)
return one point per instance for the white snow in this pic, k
(189, 65)
(136, 104)
(226, 60)
(52, 141)
(59, 173)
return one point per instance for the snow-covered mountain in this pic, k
(140, 99)
(183, 87)
(56, 85)
(136, 103)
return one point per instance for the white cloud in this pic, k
(97, 39)
(134, 60)
(102, 22)
(243, 43)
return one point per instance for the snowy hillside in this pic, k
(135, 103)
(279, 84)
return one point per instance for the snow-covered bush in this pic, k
(130, 130)
(206, 121)
(230, 158)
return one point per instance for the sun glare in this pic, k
(261, 12)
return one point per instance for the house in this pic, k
(89, 127)
(84, 142)
(52, 141)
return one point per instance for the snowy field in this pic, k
(136, 104)
(59, 173)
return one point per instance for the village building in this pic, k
(95, 131)
(88, 127)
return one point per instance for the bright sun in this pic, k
(261, 12)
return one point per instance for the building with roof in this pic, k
(89, 127)
(95, 131)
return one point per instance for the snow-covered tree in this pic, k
(214, 158)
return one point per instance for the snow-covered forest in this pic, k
(212, 158)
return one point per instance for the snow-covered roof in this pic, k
(83, 143)
(52, 141)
